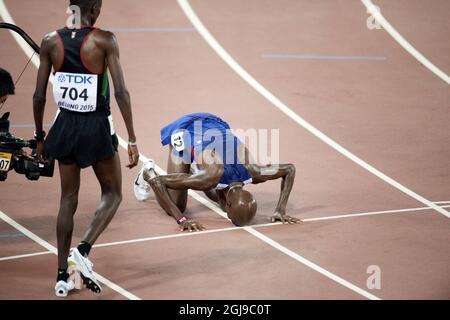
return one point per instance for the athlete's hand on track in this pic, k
(191, 225)
(133, 154)
(284, 218)
(40, 152)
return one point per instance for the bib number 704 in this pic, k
(73, 94)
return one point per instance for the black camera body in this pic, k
(11, 156)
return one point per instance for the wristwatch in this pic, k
(39, 136)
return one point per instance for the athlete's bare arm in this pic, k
(39, 97)
(204, 180)
(109, 42)
(260, 174)
(285, 172)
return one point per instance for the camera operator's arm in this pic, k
(39, 97)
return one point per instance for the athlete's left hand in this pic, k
(40, 152)
(284, 218)
(133, 155)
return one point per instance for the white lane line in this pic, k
(6, 17)
(441, 202)
(364, 214)
(27, 232)
(311, 264)
(373, 10)
(178, 235)
(25, 255)
(214, 44)
(53, 250)
(170, 236)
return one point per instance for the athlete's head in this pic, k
(89, 8)
(6, 85)
(240, 205)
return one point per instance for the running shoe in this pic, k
(62, 288)
(142, 189)
(84, 266)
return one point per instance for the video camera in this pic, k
(11, 156)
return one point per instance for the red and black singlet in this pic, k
(76, 88)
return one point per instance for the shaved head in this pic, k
(86, 5)
(241, 206)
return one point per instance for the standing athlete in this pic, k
(205, 155)
(82, 134)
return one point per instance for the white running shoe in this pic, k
(142, 189)
(84, 266)
(62, 288)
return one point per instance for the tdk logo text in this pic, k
(77, 79)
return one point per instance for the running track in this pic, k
(391, 113)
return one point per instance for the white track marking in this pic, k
(53, 250)
(178, 235)
(170, 236)
(372, 9)
(28, 233)
(310, 264)
(441, 202)
(4, 13)
(374, 213)
(26, 255)
(214, 44)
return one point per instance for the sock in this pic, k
(84, 248)
(62, 275)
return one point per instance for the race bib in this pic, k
(177, 141)
(75, 92)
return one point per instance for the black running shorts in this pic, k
(83, 139)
